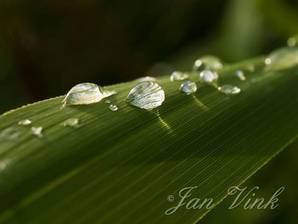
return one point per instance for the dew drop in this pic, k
(207, 63)
(188, 87)
(146, 95)
(146, 79)
(229, 89)
(282, 59)
(268, 61)
(108, 101)
(113, 107)
(71, 122)
(37, 131)
(25, 122)
(240, 74)
(208, 76)
(293, 41)
(86, 93)
(178, 76)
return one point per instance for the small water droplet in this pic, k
(188, 87)
(146, 79)
(282, 59)
(240, 74)
(37, 131)
(293, 41)
(108, 101)
(146, 95)
(113, 107)
(178, 76)
(71, 122)
(86, 93)
(229, 89)
(207, 63)
(208, 76)
(25, 122)
(268, 61)
(10, 133)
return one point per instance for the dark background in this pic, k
(47, 46)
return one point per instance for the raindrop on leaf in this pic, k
(25, 122)
(113, 107)
(146, 95)
(207, 63)
(229, 89)
(240, 74)
(37, 131)
(188, 87)
(71, 122)
(208, 76)
(86, 93)
(282, 59)
(178, 76)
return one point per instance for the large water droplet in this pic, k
(71, 122)
(208, 76)
(240, 74)
(229, 89)
(208, 63)
(86, 93)
(178, 76)
(188, 87)
(146, 79)
(113, 107)
(25, 122)
(293, 41)
(37, 131)
(146, 95)
(282, 59)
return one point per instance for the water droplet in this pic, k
(293, 41)
(188, 87)
(146, 95)
(37, 131)
(71, 122)
(146, 79)
(282, 59)
(240, 75)
(108, 101)
(86, 93)
(229, 89)
(10, 133)
(268, 61)
(208, 63)
(25, 122)
(178, 76)
(113, 107)
(208, 76)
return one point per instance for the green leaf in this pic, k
(122, 167)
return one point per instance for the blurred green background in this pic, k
(47, 46)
